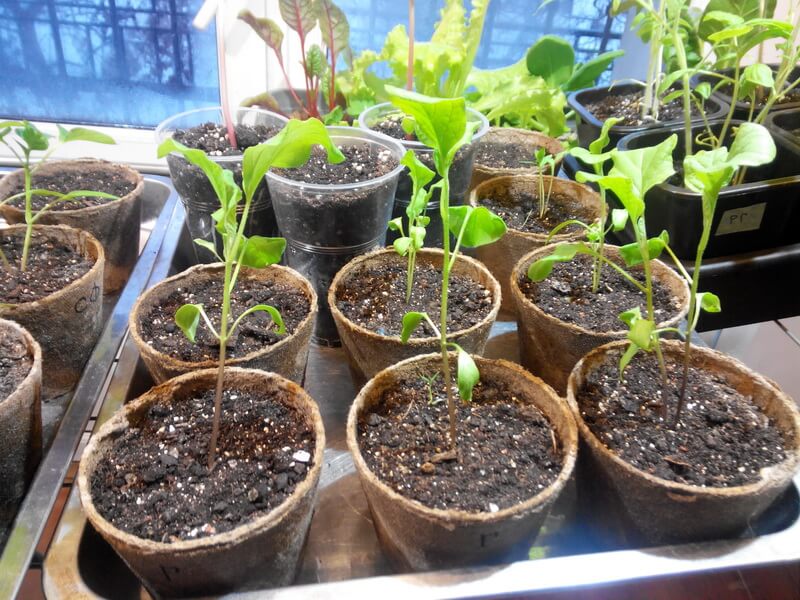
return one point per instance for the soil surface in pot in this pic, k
(375, 298)
(628, 107)
(15, 363)
(791, 97)
(154, 482)
(255, 331)
(508, 450)
(501, 155)
(392, 125)
(89, 179)
(567, 295)
(722, 439)
(212, 138)
(520, 211)
(51, 267)
(363, 162)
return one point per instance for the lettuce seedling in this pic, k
(24, 139)
(442, 125)
(290, 148)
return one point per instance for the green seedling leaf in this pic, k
(752, 146)
(730, 33)
(396, 225)
(540, 269)
(420, 176)
(83, 134)
(632, 255)
(315, 61)
(299, 15)
(401, 245)
(619, 218)
(260, 252)
(755, 76)
(599, 145)
(703, 89)
(187, 317)
(626, 358)
(411, 321)
(553, 59)
(408, 124)
(709, 302)
(208, 246)
(335, 117)
(629, 317)
(34, 138)
(273, 312)
(645, 167)
(417, 235)
(468, 374)
(641, 332)
(586, 75)
(482, 225)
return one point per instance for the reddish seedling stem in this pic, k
(223, 80)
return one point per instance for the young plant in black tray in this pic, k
(442, 125)
(289, 149)
(24, 139)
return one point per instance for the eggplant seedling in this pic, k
(442, 125)
(290, 148)
(24, 139)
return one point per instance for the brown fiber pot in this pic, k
(511, 136)
(666, 511)
(20, 427)
(550, 347)
(370, 352)
(287, 357)
(115, 223)
(501, 256)
(67, 323)
(420, 538)
(264, 552)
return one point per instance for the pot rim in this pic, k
(378, 255)
(35, 372)
(525, 261)
(453, 514)
(207, 269)
(789, 464)
(118, 423)
(137, 177)
(500, 135)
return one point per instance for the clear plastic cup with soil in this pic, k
(185, 529)
(516, 199)
(330, 214)
(20, 418)
(733, 449)
(114, 222)
(204, 129)
(387, 120)
(516, 448)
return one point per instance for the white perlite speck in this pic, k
(301, 456)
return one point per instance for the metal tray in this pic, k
(342, 557)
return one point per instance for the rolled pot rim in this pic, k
(342, 135)
(35, 372)
(533, 179)
(524, 262)
(164, 130)
(414, 144)
(378, 254)
(132, 195)
(8, 309)
(207, 269)
(454, 514)
(789, 464)
(119, 423)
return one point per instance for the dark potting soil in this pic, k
(502, 155)
(51, 267)
(628, 107)
(255, 331)
(89, 179)
(567, 295)
(154, 482)
(722, 438)
(520, 211)
(15, 362)
(392, 125)
(212, 138)
(374, 297)
(508, 450)
(362, 162)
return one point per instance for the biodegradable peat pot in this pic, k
(550, 347)
(370, 352)
(67, 323)
(589, 125)
(195, 191)
(287, 357)
(763, 212)
(574, 199)
(421, 538)
(20, 419)
(667, 511)
(510, 145)
(115, 223)
(263, 552)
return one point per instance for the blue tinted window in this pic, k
(117, 62)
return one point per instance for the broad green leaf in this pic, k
(755, 76)
(752, 146)
(588, 157)
(622, 187)
(641, 332)
(482, 226)
(632, 255)
(411, 320)
(34, 138)
(260, 252)
(540, 269)
(84, 134)
(208, 246)
(299, 15)
(401, 245)
(709, 302)
(645, 167)
(586, 75)
(187, 317)
(551, 58)
(730, 33)
(417, 235)
(468, 375)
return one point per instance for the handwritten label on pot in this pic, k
(745, 218)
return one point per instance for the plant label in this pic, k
(744, 218)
